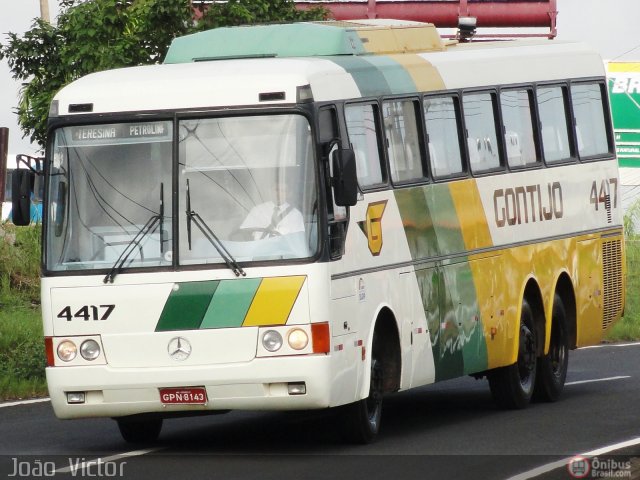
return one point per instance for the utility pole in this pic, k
(44, 10)
(4, 149)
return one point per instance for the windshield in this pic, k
(106, 182)
(251, 181)
(246, 193)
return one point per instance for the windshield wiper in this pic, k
(192, 216)
(161, 219)
(148, 228)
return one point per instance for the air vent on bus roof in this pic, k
(305, 40)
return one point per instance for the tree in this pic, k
(98, 35)
(246, 12)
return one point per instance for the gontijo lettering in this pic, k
(528, 204)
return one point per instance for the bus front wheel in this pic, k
(139, 431)
(361, 420)
(512, 386)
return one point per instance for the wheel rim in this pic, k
(526, 357)
(558, 353)
(374, 400)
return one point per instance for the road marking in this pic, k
(75, 468)
(24, 402)
(608, 379)
(565, 461)
(603, 345)
(81, 466)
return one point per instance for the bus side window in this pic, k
(554, 123)
(518, 127)
(402, 140)
(363, 134)
(482, 138)
(443, 140)
(588, 110)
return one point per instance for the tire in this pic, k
(140, 431)
(512, 386)
(552, 367)
(361, 420)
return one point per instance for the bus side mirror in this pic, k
(21, 187)
(345, 180)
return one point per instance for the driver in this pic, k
(273, 218)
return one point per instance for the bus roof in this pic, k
(243, 79)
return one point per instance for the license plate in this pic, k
(183, 396)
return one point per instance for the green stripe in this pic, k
(445, 219)
(430, 221)
(186, 306)
(463, 349)
(395, 75)
(230, 304)
(417, 222)
(369, 79)
(448, 293)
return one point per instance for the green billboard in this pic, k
(624, 91)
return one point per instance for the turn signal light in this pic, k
(320, 338)
(48, 348)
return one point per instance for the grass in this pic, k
(629, 327)
(22, 357)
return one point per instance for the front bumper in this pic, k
(260, 384)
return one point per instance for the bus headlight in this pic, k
(90, 350)
(271, 341)
(67, 351)
(298, 339)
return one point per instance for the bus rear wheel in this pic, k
(512, 386)
(139, 431)
(552, 367)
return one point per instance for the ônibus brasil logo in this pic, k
(579, 467)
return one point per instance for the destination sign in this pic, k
(119, 133)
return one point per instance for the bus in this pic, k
(311, 216)
(29, 169)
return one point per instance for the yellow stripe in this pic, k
(473, 221)
(498, 320)
(424, 75)
(273, 301)
(622, 67)
(493, 308)
(500, 278)
(395, 40)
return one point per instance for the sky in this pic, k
(609, 26)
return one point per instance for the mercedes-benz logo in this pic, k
(179, 348)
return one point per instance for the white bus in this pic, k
(310, 216)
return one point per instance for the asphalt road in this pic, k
(450, 430)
